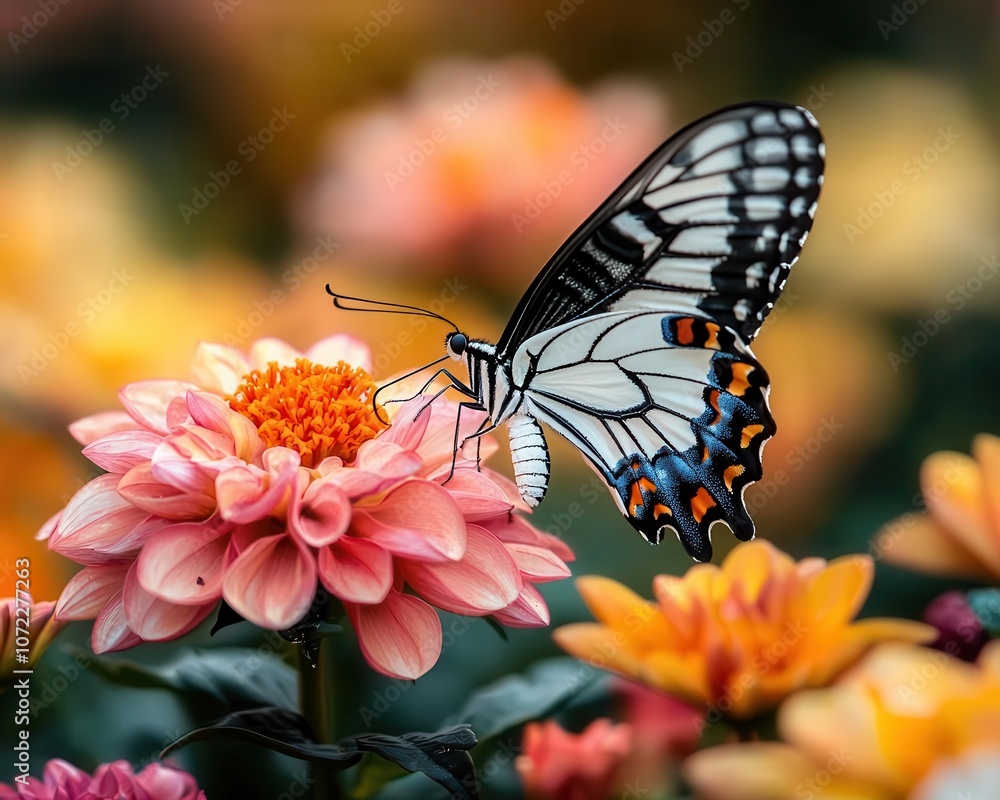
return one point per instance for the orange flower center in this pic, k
(315, 410)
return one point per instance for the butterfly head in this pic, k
(455, 344)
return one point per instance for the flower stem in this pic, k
(316, 702)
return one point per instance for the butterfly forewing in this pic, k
(633, 340)
(710, 224)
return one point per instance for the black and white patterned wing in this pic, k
(709, 225)
(670, 409)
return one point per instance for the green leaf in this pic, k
(236, 678)
(443, 757)
(516, 699)
(276, 729)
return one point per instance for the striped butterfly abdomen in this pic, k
(530, 456)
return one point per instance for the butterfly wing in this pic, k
(633, 340)
(710, 224)
(670, 409)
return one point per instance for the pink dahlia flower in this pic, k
(271, 474)
(112, 781)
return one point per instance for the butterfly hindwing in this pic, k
(670, 409)
(710, 224)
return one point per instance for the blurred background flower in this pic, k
(736, 640)
(908, 722)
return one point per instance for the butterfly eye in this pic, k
(455, 345)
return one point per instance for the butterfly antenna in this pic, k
(383, 307)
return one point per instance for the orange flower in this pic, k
(737, 638)
(909, 722)
(558, 765)
(960, 533)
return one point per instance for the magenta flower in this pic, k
(271, 474)
(114, 781)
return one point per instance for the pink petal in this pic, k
(537, 564)
(46, 531)
(183, 563)
(119, 452)
(189, 463)
(147, 401)
(409, 424)
(513, 528)
(218, 368)
(155, 620)
(89, 591)
(140, 488)
(97, 524)
(268, 349)
(400, 637)
(478, 497)
(387, 459)
(341, 347)
(321, 515)
(485, 580)
(95, 426)
(356, 570)
(111, 631)
(418, 519)
(215, 414)
(247, 494)
(528, 611)
(272, 582)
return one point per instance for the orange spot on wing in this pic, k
(741, 378)
(647, 484)
(712, 341)
(713, 401)
(685, 331)
(704, 454)
(701, 503)
(635, 499)
(749, 432)
(660, 510)
(731, 474)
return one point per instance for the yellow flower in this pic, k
(960, 533)
(737, 638)
(909, 722)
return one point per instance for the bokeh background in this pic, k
(198, 170)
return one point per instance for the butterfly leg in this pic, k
(480, 431)
(455, 383)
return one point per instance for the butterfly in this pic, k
(633, 342)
